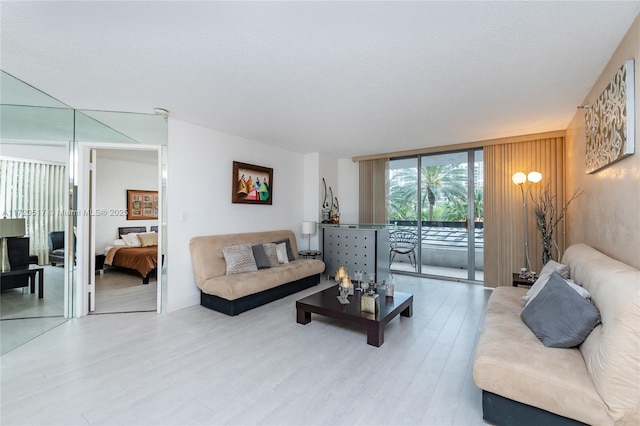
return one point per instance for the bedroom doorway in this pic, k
(124, 277)
(106, 172)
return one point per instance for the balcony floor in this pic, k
(436, 271)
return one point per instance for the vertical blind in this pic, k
(34, 191)
(503, 220)
(503, 208)
(374, 190)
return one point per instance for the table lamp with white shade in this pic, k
(10, 228)
(308, 229)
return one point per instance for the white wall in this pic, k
(113, 178)
(53, 152)
(342, 176)
(348, 190)
(199, 197)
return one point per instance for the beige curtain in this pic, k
(503, 227)
(374, 190)
(34, 191)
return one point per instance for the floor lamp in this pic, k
(520, 179)
(9, 228)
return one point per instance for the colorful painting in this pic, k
(251, 184)
(142, 205)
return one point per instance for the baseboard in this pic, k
(185, 302)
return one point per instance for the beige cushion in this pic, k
(612, 350)
(233, 287)
(148, 239)
(512, 362)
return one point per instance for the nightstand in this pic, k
(521, 281)
(100, 263)
(309, 254)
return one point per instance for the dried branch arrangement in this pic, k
(548, 217)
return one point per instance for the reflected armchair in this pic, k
(56, 247)
(403, 242)
(18, 256)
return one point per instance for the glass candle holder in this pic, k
(388, 289)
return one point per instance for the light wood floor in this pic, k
(23, 316)
(196, 366)
(118, 291)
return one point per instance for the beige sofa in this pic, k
(233, 294)
(597, 383)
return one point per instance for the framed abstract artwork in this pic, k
(251, 184)
(142, 205)
(609, 121)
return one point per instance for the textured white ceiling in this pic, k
(342, 78)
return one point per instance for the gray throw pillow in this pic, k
(262, 261)
(272, 254)
(290, 255)
(559, 316)
(239, 259)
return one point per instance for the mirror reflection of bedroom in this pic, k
(32, 173)
(126, 235)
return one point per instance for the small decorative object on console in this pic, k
(370, 302)
(340, 273)
(357, 276)
(345, 285)
(389, 287)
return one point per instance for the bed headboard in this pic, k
(131, 229)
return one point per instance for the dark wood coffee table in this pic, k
(325, 303)
(31, 271)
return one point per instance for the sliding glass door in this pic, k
(435, 230)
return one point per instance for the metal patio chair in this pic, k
(403, 242)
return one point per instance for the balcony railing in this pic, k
(445, 234)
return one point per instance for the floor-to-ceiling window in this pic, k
(436, 214)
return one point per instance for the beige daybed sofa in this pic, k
(597, 383)
(233, 294)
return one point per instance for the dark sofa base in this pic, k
(502, 411)
(235, 307)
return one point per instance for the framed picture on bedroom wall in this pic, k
(142, 205)
(251, 184)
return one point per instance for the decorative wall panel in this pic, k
(610, 121)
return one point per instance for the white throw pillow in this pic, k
(542, 281)
(131, 239)
(281, 250)
(553, 266)
(119, 243)
(548, 269)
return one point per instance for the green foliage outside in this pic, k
(443, 195)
